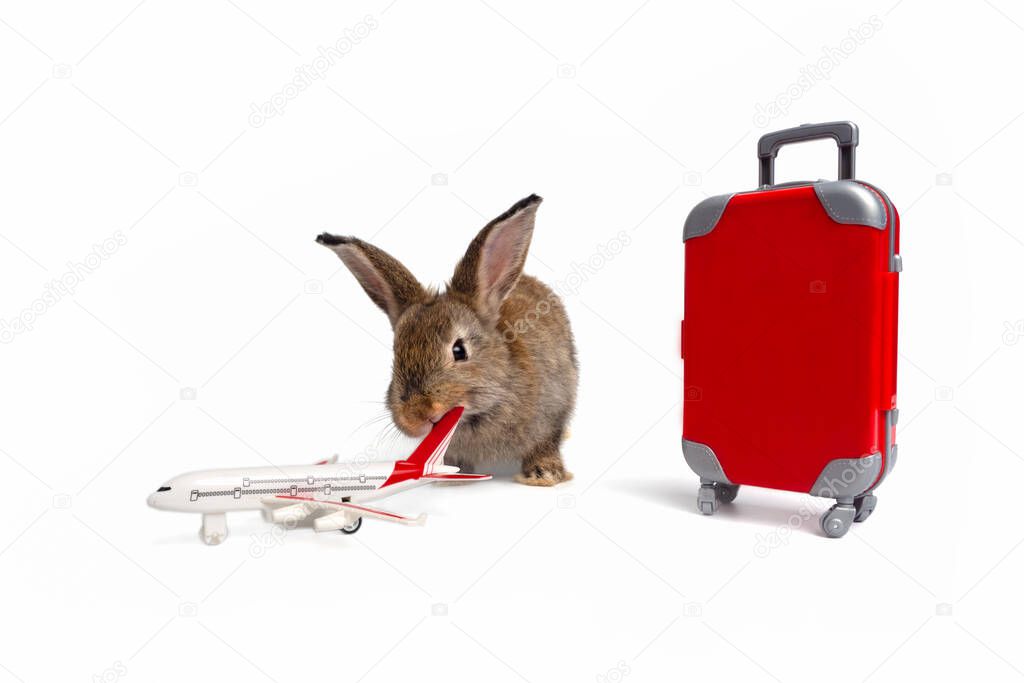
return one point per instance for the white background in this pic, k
(133, 120)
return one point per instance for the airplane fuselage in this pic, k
(248, 488)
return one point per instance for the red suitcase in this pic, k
(789, 336)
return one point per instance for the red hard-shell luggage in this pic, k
(789, 337)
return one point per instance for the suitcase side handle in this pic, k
(845, 134)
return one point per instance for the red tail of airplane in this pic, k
(430, 452)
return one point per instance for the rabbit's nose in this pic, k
(437, 411)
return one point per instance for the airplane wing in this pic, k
(455, 476)
(329, 461)
(342, 513)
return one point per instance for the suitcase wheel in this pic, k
(838, 520)
(864, 505)
(711, 493)
(707, 501)
(727, 492)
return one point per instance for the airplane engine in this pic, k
(334, 521)
(293, 514)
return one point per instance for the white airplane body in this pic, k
(332, 492)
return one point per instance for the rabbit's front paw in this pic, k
(543, 470)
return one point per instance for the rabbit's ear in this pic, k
(494, 261)
(387, 282)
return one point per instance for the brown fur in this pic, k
(519, 383)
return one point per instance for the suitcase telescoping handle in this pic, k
(843, 132)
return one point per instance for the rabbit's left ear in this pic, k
(495, 258)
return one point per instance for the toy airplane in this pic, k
(334, 492)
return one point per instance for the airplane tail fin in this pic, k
(430, 453)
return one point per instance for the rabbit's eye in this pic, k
(459, 350)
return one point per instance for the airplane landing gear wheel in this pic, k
(353, 527)
(214, 529)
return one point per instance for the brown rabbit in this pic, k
(496, 341)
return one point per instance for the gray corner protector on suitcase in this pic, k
(850, 203)
(847, 477)
(705, 216)
(891, 418)
(895, 260)
(703, 461)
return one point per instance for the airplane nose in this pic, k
(151, 500)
